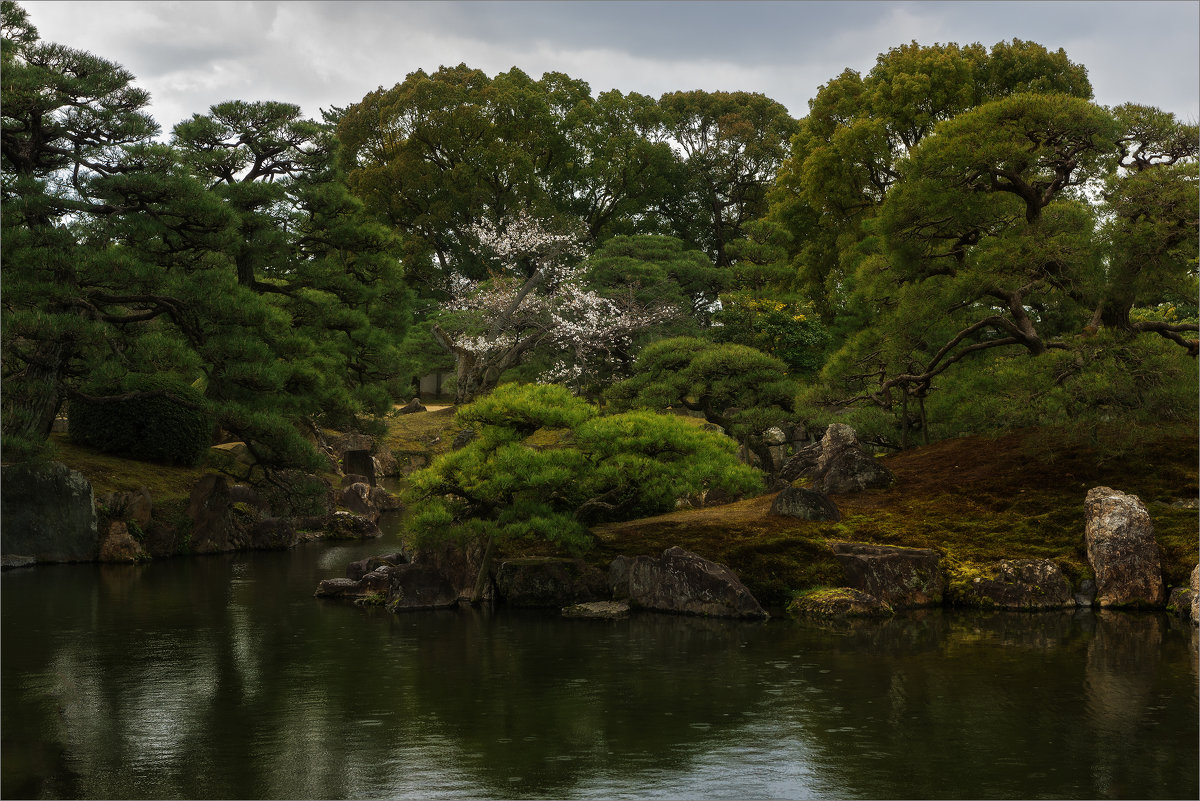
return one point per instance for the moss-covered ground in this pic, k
(976, 499)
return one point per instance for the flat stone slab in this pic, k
(602, 610)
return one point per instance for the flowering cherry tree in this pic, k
(538, 299)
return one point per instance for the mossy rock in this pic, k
(837, 602)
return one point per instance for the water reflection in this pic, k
(223, 677)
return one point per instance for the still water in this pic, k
(222, 677)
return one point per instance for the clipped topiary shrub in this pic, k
(151, 418)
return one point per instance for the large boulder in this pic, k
(234, 518)
(545, 581)
(415, 587)
(845, 466)
(49, 514)
(802, 463)
(903, 578)
(349, 526)
(1016, 584)
(805, 504)
(460, 566)
(685, 583)
(118, 545)
(1122, 550)
(1196, 595)
(135, 506)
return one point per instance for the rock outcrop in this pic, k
(118, 545)
(1122, 550)
(805, 504)
(1196, 595)
(845, 466)
(685, 583)
(903, 578)
(415, 587)
(49, 515)
(837, 464)
(367, 501)
(838, 602)
(226, 518)
(548, 582)
(1016, 584)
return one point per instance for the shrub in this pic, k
(152, 418)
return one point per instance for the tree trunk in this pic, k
(33, 396)
(485, 567)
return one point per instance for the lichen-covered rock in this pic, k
(416, 587)
(1014, 584)
(802, 463)
(599, 610)
(1196, 595)
(1122, 550)
(903, 578)
(49, 514)
(683, 582)
(844, 466)
(618, 578)
(356, 570)
(1180, 602)
(338, 588)
(545, 581)
(411, 407)
(805, 504)
(135, 505)
(347, 526)
(838, 602)
(118, 545)
(459, 565)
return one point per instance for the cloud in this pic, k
(191, 55)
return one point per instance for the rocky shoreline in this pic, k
(879, 579)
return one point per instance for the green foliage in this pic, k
(153, 418)
(545, 465)
(657, 272)
(738, 388)
(792, 333)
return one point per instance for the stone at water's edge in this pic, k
(805, 504)
(1196, 595)
(548, 582)
(1018, 584)
(118, 545)
(417, 587)
(903, 578)
(1122, 550)
(689, 584)
(838, 602)
(599, 610)
(49, 515)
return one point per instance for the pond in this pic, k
(223, 677)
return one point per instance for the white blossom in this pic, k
(552, 307)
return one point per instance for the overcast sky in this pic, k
(190, 55)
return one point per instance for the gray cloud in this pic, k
(192, 54)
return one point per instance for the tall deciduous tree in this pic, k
(732, 144)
